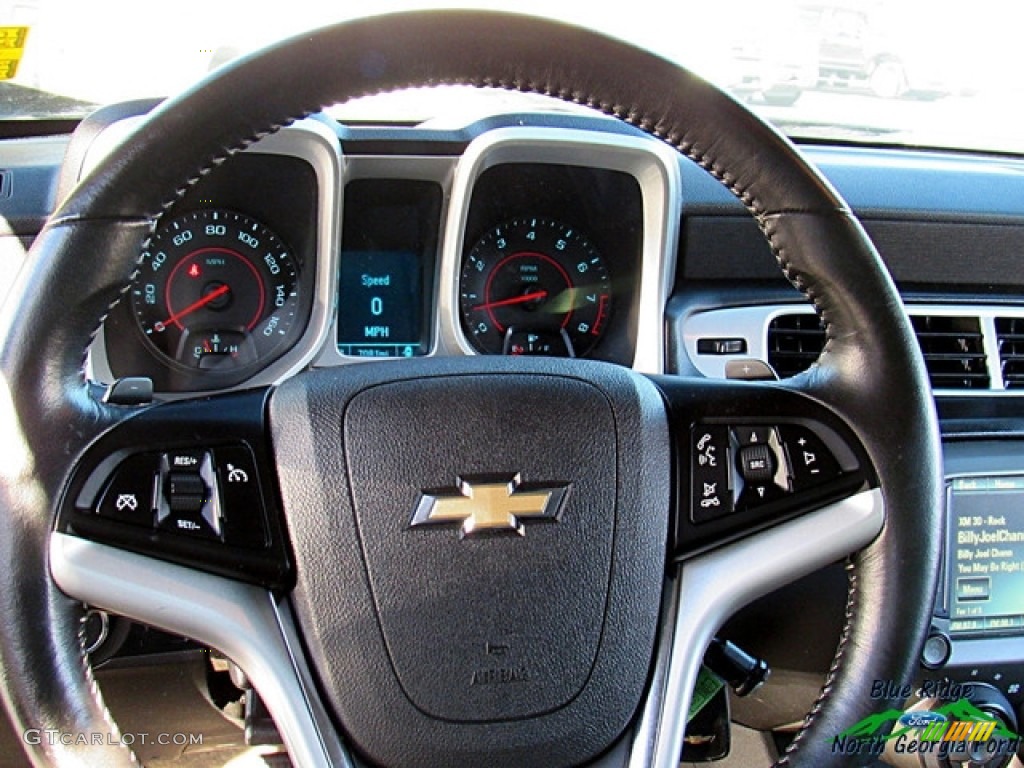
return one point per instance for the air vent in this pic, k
(954, 351)
(794, 343)
(1010, 333)
(953, 348)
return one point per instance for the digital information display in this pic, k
(985, 587)
(380, 304)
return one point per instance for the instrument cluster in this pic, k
(534, 242)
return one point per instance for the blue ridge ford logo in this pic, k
(920, 719)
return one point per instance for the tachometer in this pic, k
(216, 290)
(534, 286)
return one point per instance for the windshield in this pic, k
(927, 73)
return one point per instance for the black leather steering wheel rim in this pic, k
(870, 373)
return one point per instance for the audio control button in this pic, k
(810, 461)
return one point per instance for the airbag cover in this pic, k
(494, 625)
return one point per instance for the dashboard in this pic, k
(543, 233)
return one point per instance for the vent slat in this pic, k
(1010, 337)
(953, 348)
(794, 343)
(954, 351)
(969, 360)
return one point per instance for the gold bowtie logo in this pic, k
(489, 506)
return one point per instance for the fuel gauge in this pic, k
(216, 350)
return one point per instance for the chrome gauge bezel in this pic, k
(654, 165)
(316, 144)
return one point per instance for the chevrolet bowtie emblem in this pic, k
(489, 506)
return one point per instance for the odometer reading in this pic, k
(215, 291)
(534, 286)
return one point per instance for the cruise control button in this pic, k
(129, 496)
(245, 522)
(189, 503)
(712, 492)
(189, 524)
(811, 463)
(184, 460)
(186, 492)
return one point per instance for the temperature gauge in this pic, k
(216, 349)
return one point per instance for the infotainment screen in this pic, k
(985, 555)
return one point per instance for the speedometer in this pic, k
(216, 290)
(536, 286)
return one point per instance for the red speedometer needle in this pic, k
(514, 300)
(211, 296)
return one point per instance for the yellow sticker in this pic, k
(12, 46)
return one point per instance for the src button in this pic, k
(761, 465)
(757, 464)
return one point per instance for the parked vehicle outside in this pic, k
(885, 50)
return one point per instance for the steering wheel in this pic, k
(368, 635)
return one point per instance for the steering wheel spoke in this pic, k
(248, 624)
(189, 482)
(703, 591)
(752, 455)
(771, 484)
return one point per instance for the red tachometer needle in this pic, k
(211, 296)
(514, 300)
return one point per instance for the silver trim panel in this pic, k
(654, 165)
(751, 323)
(308, 140)
(243, 622)
(713, 586)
